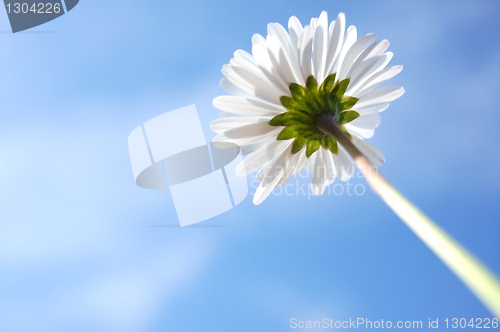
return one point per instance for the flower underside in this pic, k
(310, 104)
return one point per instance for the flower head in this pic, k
(291, 82)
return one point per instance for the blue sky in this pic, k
(77, 252)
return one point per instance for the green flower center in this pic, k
(308, 106)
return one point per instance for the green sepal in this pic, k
(317, 136)
(333, 146)
(313, 104)
(298, 91)
(348, 116)
(312, 146)
(346, 132)
(290, 104)
(281, 120)
(312, 84)
(287, 133)
(305, 132)
(348, 102)
(330, 143)
(291, 118)
(298, 144)
(324, 142)
(333, 105)
(328, 83)
(340, 88)
(306, 104)
(300, 118)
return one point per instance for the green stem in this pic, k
(469, 269)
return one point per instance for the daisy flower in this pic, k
(307, 99)
(295, 81)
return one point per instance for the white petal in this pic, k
(344, 165)
(310, 164)
(373, 50)
(289, 53)
(246, 106)
(377, 79)
(295, 29)
(319, 174)
(366, 121)
(276, 171)
(335, 42)
(261, 174)
(368, 69)
(244, 55)
(255, 77)
(232, 89)
(240, 82)
(302, 162)
(290, 170)
(250, 148)
(356, 49)
(229, 115)
(261, 56)
(287, 67)
(261, 157)
(305, 52)
(313, 22)
(228, 123)
(280, 68)
(244, 142)
(320, 46)
(298, 163)
(381, 95)
(349, 40)
(376, 49)
(371, 109)
(365, 133)
(258, 40)
(252, 133)
(331, 173)
(373, 154)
